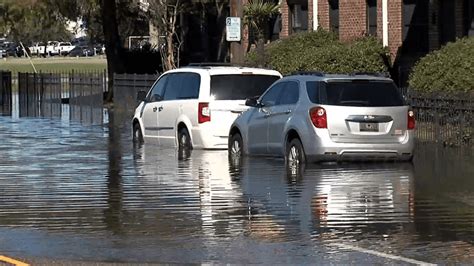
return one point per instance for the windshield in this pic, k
(355, 93)
(239, 87)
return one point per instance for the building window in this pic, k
(468, 18)
(372, 17)
(446, 21)
(334, 15)
(415, 26)
(299, 17)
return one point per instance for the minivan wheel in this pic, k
(295, 153)
(235, 146)
(137, 133)
(184, 140)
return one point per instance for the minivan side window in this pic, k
(271, 96)
(173, 86)
(240, 86)
(156, 93)
(190, 86)
(290, 94)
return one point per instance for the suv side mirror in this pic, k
(141, 96)
(252, 102)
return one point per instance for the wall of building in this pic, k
(352, 19)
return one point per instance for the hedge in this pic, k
(321, 51)
(447, 70)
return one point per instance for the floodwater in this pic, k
(83, 192)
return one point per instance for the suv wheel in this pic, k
(184, 140)
(295, 155)
(236, 146)
(137, 133)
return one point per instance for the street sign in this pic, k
(232, 29)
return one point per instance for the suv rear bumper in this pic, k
(332, 151)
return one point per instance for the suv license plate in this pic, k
(369, 127)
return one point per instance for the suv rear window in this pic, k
(354, 93)
(240, 87)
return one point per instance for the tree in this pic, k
(257, 14)
(164, 16)
(32, 20)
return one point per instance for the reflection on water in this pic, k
(78, 189)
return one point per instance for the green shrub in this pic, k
(448, 70)
(321, 51)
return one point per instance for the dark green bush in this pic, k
(321, 51)
(448, 70)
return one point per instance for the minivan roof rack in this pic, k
(309, 73)
(210, 64)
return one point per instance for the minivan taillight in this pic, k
(411, 120)
(204, 113)
(318, 117)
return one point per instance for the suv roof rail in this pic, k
(309, 73)
(376, 74)
(210, 64)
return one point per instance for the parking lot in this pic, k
(77, 193)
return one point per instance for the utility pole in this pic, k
(236, 48)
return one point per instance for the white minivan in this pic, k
(193, 107)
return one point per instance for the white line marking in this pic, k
(384, 255)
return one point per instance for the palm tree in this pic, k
(257, 13)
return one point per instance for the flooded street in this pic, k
(83, 192)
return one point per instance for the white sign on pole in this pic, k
(232, 29)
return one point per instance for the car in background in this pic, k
(320, 117)
(64, 48)
(194, 106)
(8, 49)
(79, 51)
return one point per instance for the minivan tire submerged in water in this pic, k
(320, 117)
(199, 103)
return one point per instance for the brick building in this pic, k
(410, 28)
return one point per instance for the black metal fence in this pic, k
(42, 95)
(86, 96)
(126, 88)
(5, 93)
(443, 119)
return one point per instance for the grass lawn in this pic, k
(54, 64)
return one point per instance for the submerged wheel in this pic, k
(184, 140)
(235, 146)
(137, 133)
(295, 155)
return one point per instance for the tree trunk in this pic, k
(223, 46)
(260, 49)
(113, 44)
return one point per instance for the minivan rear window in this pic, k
(239, 87)
(354, 93)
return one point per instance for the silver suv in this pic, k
(320, 117)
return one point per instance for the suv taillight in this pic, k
(204, 113)
(318, 117)
(411, 120)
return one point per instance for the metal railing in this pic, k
(443, 119)
(5, 93)
(42, 95)
(126, 88)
